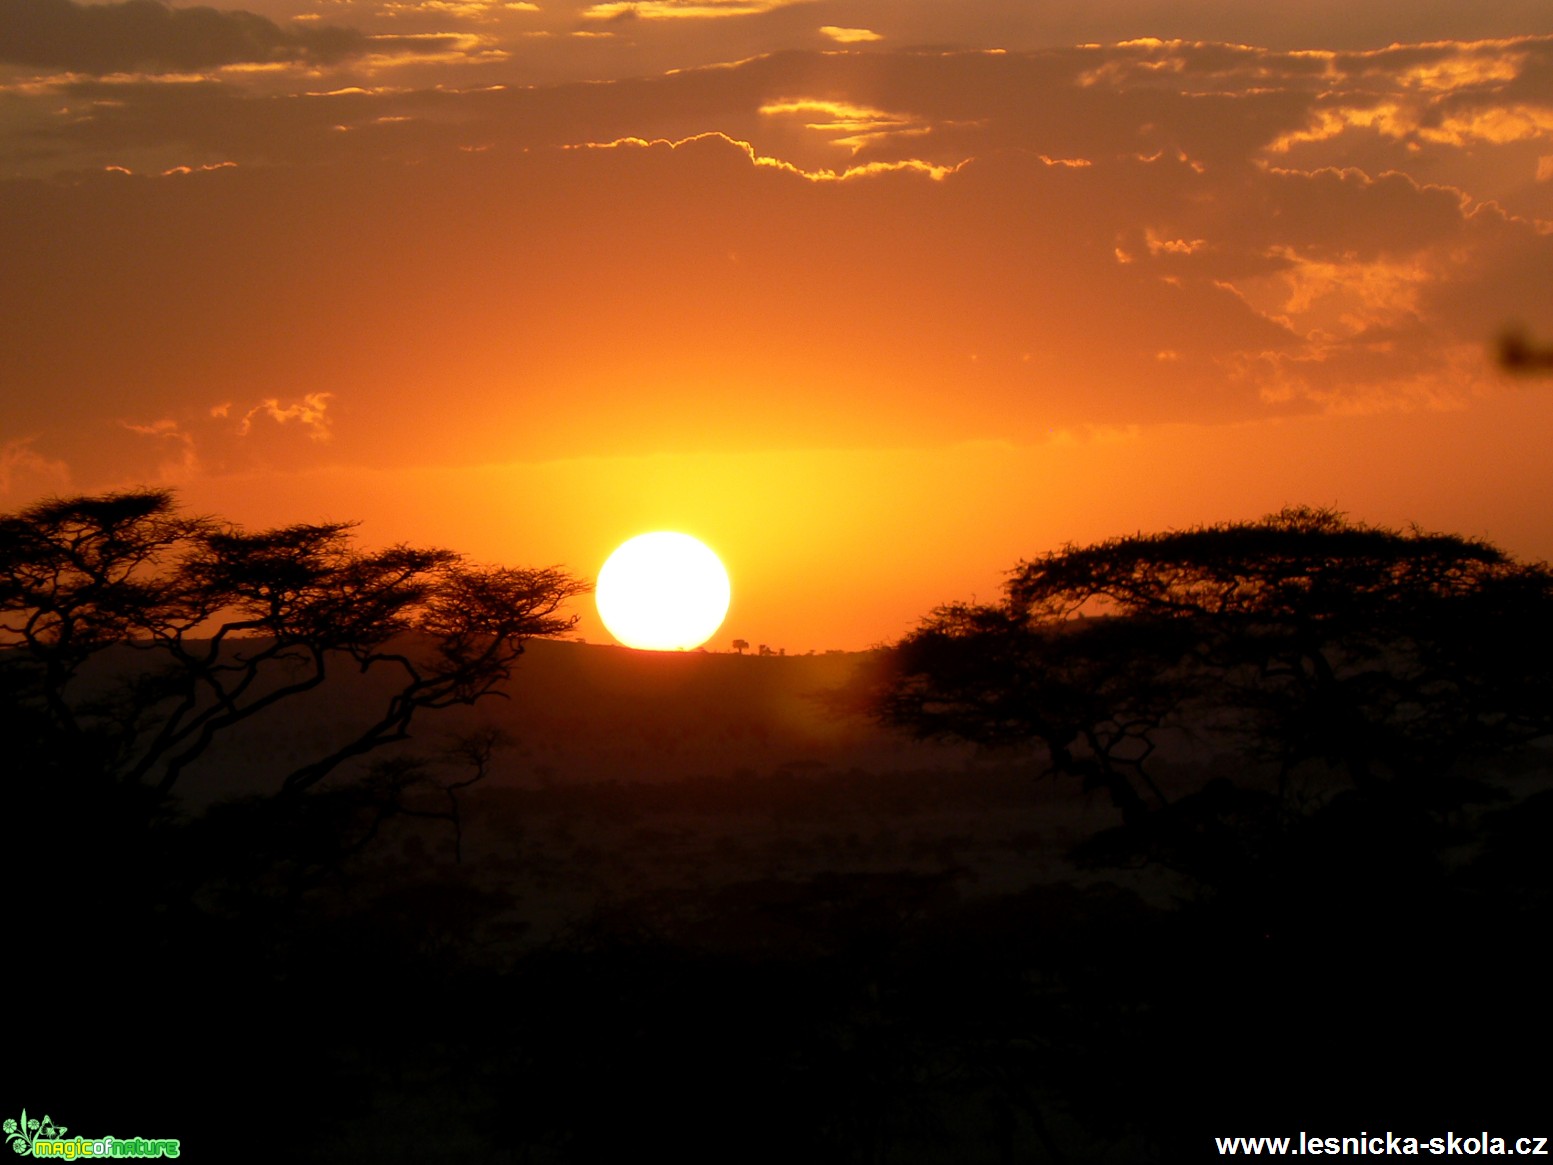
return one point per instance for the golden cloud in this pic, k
(849, 35)
(311, 412)
(683, 9)
(1387, 117)
(855, 126)
(1159, 245)
(907, 166)
(1495, 124)
(175, 170)
(485, 10)
(1471, 69)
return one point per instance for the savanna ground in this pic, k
(812, 964)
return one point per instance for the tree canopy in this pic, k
(230, 623)
(1302, 636)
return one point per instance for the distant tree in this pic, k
(1306, 635)
(741, 645)
(209, 626)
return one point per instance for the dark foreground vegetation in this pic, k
(1286, 867)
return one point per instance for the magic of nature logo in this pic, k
(32, 1137)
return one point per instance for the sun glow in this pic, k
(662, 592)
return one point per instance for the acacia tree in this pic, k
(134, 639)
(1093, 693)
(1307, 636)
(227, 625)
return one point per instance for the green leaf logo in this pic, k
(22, 1134)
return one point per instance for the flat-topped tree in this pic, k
(1303, 635)
(236, 623)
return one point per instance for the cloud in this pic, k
(1016, 242)
(176, 457)
(310, 412)
(683, 9)
(849, 35)
(145, 35)
(1512, 123)
(845, 123)
(220, 439)
(26, 473)
(825, 174)
(485, 11)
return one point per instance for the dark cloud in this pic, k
(148, 36)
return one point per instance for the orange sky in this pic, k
(873, 319)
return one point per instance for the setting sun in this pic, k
(663, 592)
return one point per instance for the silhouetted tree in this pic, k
(1374, 649)
(134, 639)
(215, 625)
(741, 645)
(414, 788)
(1092, 692)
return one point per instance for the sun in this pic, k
(662, 592)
